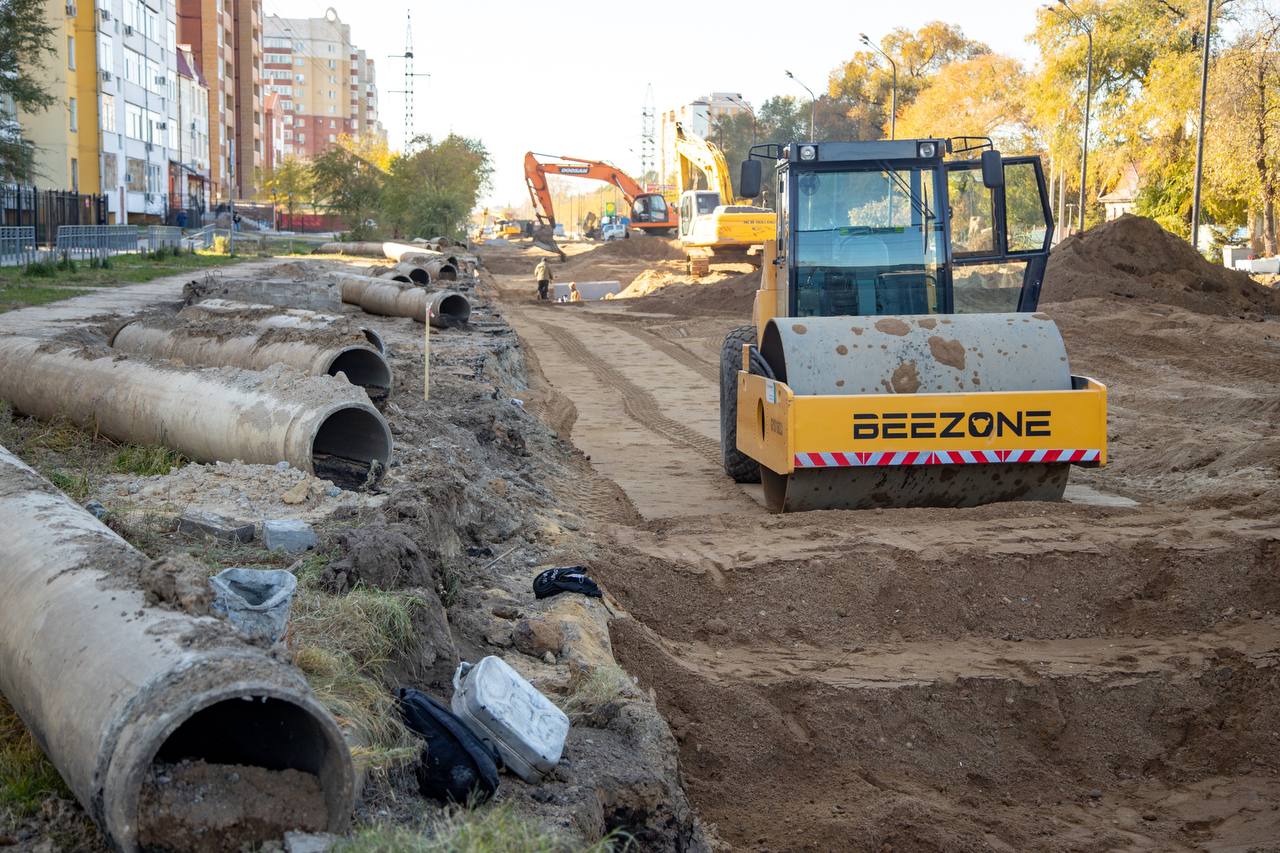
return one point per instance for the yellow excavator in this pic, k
(896, 355)
(712, 222)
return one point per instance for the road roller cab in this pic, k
(896, 356)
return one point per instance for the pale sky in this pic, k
(569, 77)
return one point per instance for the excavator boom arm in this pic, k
(707, 158)
(536, 171)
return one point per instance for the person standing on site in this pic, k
(542, 274)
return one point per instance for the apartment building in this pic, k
(190, 175)
(327, 86)
(138, 124)
(66, 157)
(206, 25)
(247, 20)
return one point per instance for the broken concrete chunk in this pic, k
(290, 535)
(196, 523)
(308, 842)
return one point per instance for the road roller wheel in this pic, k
(738, 465)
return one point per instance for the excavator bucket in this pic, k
(544, 238)
(929, 410)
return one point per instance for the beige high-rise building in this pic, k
(326, 84)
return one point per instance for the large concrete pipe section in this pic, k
(444, 308)
(275, 317)
(111, 686)
(316, 423)
(448, 308)
(392, 251)
(223, 342)
(926, 354)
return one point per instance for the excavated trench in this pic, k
(1099, 674)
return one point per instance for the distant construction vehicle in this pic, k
(896, 357)
(712, 222)
(648, 211)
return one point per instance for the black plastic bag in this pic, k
(456, 765)
(567, 579)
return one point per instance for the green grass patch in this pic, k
(490, 829)
(21, 296)
(146, 460)
(27, 778)
(121, 269)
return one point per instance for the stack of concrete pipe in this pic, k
(110, 686)
(315, 344)
(443, 308)
(410, 258)
(318, 424)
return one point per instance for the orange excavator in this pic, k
(648, 211)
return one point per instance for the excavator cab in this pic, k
(650, 208)
(896, 356)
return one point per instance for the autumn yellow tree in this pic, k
(982, 96)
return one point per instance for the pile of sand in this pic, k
(733, 295)
(1134, 258)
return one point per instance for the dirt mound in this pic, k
(632, 249)
(1134, 258)
(220, 807)
(733, 295)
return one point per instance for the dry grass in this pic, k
(343, 643)
(605, 684)
(490, 829)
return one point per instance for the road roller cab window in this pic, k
(867, 241)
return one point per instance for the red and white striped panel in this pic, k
(941, 457)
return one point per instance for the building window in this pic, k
(332, 109)
(298, 78)
(110, 175)
(133, 121)
(105, 56)
(71, 52)
(332, 123)
(330, 48)
(108, 113)
(299, 61)
(333, 138)
(71, 114)
(153, 178)
(75, 175)
(332, 94)
(302, 137)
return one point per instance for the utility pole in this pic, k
(893, 114)
(1204, 92)
(1088, 105)
(648, 144)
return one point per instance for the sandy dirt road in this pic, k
(1097, 675)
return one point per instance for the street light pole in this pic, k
(813, 104)
(1088, 106)
(893, 114)
(1204, 92)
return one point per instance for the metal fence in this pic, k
(87, 241)
(17, 245)
(48, 210)
(163, 237)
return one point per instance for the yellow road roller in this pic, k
(897, 356)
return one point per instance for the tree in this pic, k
(982, 96)
(288, 184)
(26, 38)
(349, 186)
(431, 191)
(864, 84)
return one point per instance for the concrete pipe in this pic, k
(448, 308)
(408, 273)
(274, 317)
(316, 423)
(112, 687)
(223, 343)
(365, 249)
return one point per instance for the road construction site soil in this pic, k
(1099, 674)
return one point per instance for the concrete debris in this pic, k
(196, 523)
(290, 535)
